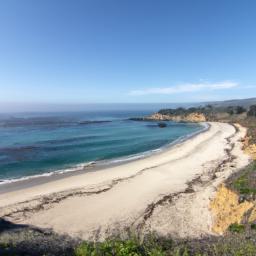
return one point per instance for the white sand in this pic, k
(151, 194)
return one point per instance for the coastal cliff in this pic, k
(234, 204)
(230, 114)
(228, 210)
(192, 117)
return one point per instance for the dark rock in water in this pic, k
(162, 125)
(137, 119)
(93, 122)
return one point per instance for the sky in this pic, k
(126, 51)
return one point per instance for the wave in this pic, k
(83, 166)
(78, 167)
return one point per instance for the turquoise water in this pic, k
(34, 144)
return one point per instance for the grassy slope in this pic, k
(34, 243)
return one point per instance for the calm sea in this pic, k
(41, 143)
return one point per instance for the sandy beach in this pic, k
(168, 192)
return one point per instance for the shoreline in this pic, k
(167, 193)
(82, 168)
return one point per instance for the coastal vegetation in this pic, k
(252, 111)
(234, 245)
(33, 242)
(203, 113)
(211, 113)
(244, 182)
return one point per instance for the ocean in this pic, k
(33, 144)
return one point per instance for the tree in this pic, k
(240, 110)
(252, 111)
(230, 110)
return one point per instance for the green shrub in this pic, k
(113, 247)
(238, 242)
(85, 249)
(245, 182)
(253, 226)
(252, 111)
(237, 228)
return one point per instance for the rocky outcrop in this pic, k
(192, 117)
(196, 117)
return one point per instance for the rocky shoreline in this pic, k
(193, 117)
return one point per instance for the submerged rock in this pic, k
(162, 125)
(94, 122)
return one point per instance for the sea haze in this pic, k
(42, 143)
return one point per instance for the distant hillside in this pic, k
(246, 103)
(222, 111)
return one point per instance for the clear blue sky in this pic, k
(60, 51)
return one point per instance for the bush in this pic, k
(235, 110)
(112, 247)
(230, 110)
(240, 110)
(233, 244)
(237, 228)
(244, 182)
(253, 226)
(252, 111)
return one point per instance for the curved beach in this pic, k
(168, 192)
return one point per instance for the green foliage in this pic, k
(237, 243)
(252, 111)
(207, 110)
(85, 249)
(237, 228)
(253, 226)
(117, 248)
(232, 244)
(240, 110)
(230, 110)
(235, 110)
(113, 247)
(4, 245)
(240, 183)
(245, 183)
